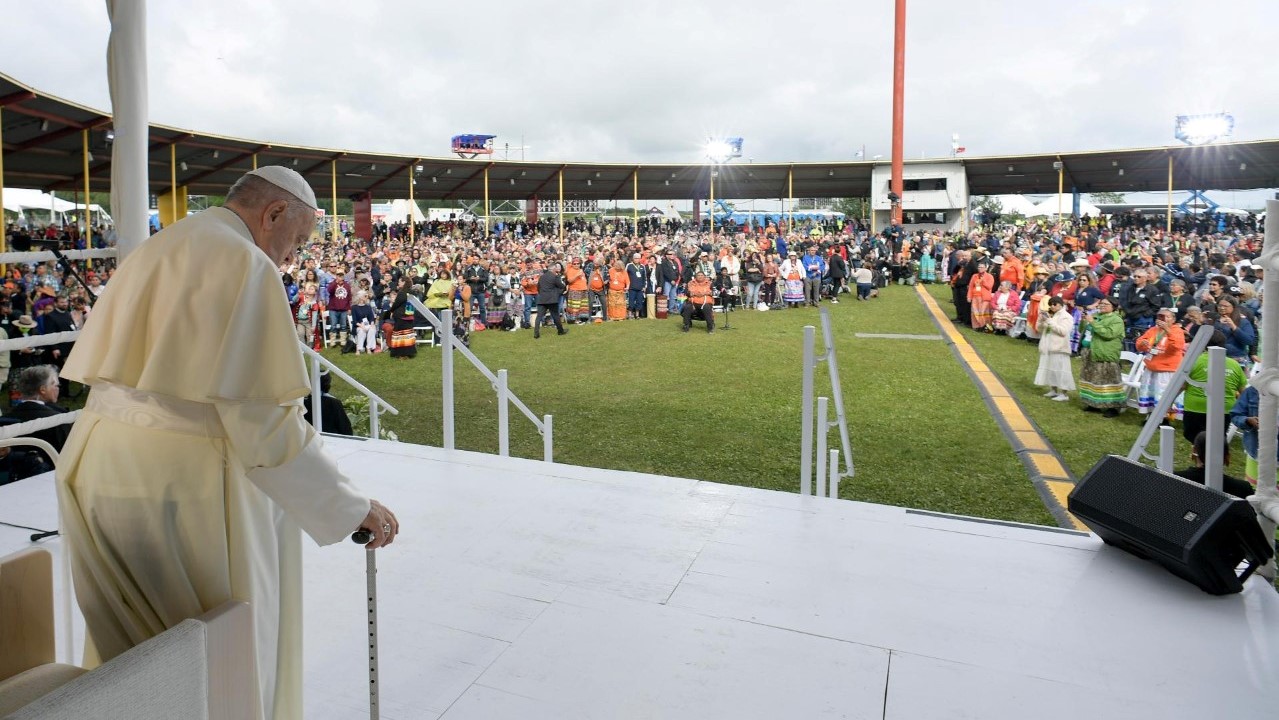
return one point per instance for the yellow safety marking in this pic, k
(1031, 441)
(1041, 456)
(991, 383)
(1061, 491)
(1048, 466)
(1012, 414)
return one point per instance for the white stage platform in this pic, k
(526, 590)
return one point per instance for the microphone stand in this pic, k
(67, 267)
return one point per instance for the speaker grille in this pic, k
(1161, 509)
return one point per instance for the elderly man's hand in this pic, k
(382, 523)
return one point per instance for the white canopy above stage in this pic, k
(520, 589)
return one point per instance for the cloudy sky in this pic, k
(649, 81)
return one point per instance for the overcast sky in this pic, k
(650, 81)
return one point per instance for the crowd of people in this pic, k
(353, 294)
(1089, 289)
(1096, 290)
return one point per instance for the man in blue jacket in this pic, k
(814, 270)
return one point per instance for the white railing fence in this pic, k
(1266, 499)
(822, 422)
(317, 364)
(443, 325)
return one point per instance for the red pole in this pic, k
(899, 82)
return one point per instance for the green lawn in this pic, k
(641, 396)
(1081, 438)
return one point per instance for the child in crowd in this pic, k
(1054, 351)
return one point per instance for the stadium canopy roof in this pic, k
(43, 141)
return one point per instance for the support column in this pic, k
(1168, 228)
(333, 222)
(487, 221)
(635, 201)
(412, 201)
(127, 77)
(173, 183)
(255, 161)
(710, 205)
(561, 208)
(899, 82)
(1061, 187)
(88, 214)
(790, 199)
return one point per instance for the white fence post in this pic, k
(503, 427)
(1167, 448)
(446, 373)
(374, 409)
(316, 418)
(548, 439)
(834, 475)
(1216, 391)
(806, 422)
(823, 407)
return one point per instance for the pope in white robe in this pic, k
(190, 473)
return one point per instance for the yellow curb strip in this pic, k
(1061, 491)
(1048, 466)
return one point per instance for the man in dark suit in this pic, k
(59, 320)
(333, 415)
(550, 286)
(37, 389)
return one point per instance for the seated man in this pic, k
(1230, 484)
(700, 301)
(37, 389)
(333, 415)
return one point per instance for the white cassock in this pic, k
(187, 477)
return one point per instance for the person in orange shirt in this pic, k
(1012, 271)
(618, 285)
(578, 308)
(700, 300)
(1164, 346)
(529, 274)
(980, 291)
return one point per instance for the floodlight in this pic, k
(721, 151)
(1203, 129)
(718, 150)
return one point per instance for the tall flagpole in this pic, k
(899, 82)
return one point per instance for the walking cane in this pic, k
(363, 537)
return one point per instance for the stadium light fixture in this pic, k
(1203, 129)
(721, 151)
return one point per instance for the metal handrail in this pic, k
(376, 403)
(444, 331)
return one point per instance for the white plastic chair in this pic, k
(1132, 378)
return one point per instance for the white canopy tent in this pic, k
(1052, 205)
(24, 200)
(1018, 204)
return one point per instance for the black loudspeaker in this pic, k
(1200, 534)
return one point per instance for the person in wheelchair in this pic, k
(726, 290)
(701, 302)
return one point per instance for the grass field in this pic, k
(1081, 438)
(642, 396)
